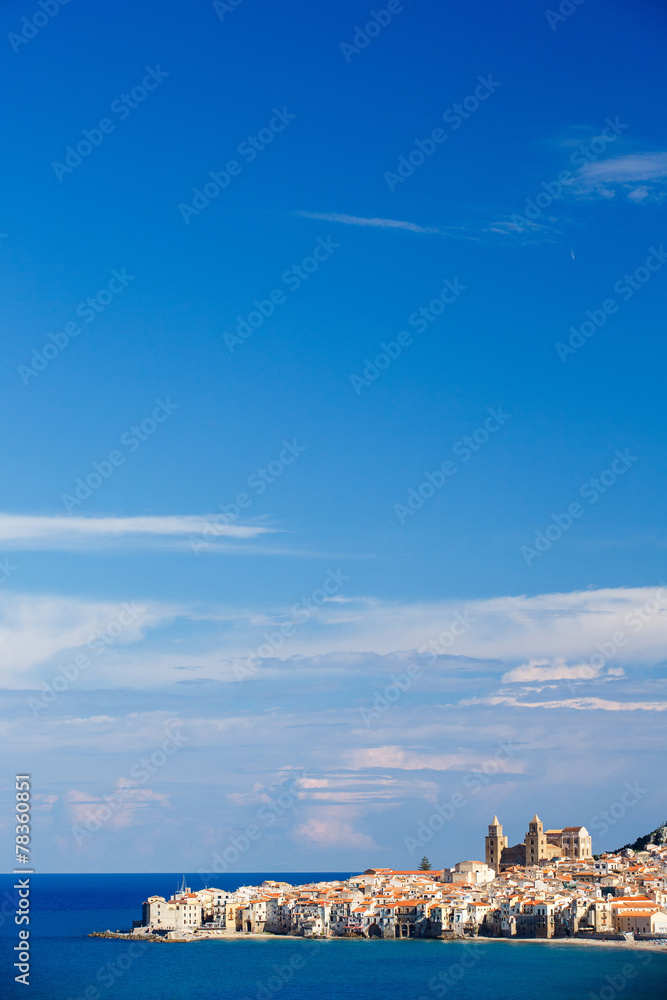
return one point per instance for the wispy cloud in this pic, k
(521, 639)
(85, 808)
(637, 176)
(518, 233)
(36, 628)
(557, 671)
(396, 757)
(582, 704)
(512, 629)
(19, 531)
(330, 831)
(355, 220)
(633, 167)
(483, 229)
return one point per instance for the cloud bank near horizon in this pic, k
(594, 636)
(497, 701)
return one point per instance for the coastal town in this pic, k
(548, 886)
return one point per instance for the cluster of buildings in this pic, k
(557, 890)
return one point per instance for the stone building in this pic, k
(495, 843)
(535, 842)
(573, 842)
(182, 913)
(469, 873)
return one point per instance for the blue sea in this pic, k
(68, 965)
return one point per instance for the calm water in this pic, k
(66, 965)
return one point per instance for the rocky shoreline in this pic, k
(236, 936)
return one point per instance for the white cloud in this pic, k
(632, 167)
(523, 233)
(44, 801)
(355, 220)
(331, 832)
(582, 704)
(407, 760)
(510, 629)
(538, 670)
(36, 628)
(639, 177)
(94, 811)
(28, 531)
(503, 636)
(257, 795)
(480, 229)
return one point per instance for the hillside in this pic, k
(657, 836)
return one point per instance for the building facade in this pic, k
(495, 843)
(538, 846)
(574, 841)
(535, 842)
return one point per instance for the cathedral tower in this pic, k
(535, 841)
(495, 844)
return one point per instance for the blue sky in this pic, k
(401, 362)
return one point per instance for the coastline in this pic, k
(263, 936)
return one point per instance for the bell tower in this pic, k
(535, 841)
(495, 843)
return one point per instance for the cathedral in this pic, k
(539, 845)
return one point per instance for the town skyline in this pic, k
(612, 897)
